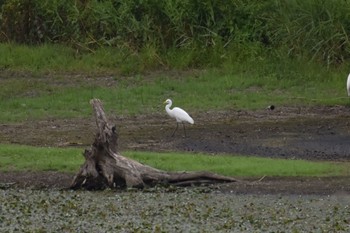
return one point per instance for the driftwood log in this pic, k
(104, 167)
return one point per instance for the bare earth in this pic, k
(317, 133)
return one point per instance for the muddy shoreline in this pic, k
(308, 133)
(293, 133)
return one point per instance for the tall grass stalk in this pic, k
(316, 28)
(206, 29)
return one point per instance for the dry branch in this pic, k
(105, 167)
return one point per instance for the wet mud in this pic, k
(318, 133)
(308, 133)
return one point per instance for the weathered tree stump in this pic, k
(104, 167)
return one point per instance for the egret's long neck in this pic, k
(167, 108)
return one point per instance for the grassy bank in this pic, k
(48, 81)
(27, 158)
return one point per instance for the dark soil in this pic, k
(317, 133)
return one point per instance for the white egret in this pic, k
(348, 85)
(179, 114)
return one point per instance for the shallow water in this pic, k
(183, 210)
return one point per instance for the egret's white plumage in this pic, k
(179, 114)
(348, 85)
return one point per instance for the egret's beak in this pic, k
(164, 102)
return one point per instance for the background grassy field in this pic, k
(41, 86)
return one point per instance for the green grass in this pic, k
(28, 158)
(238, 165)
(317, 29)
(58, 58)
(40, 83)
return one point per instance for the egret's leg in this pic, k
(184, 129)
(177, 126)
